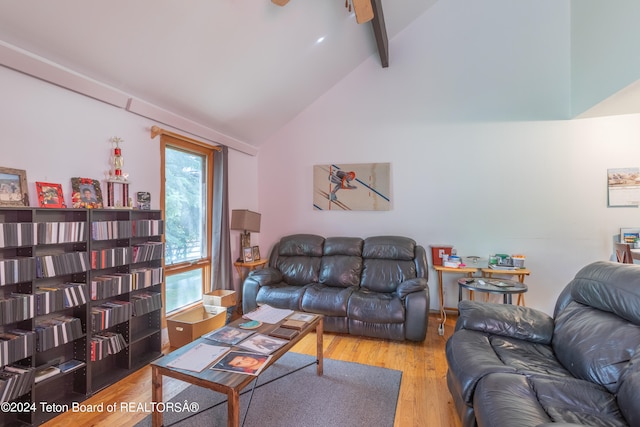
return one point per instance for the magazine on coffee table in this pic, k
(228, 335)
(242, 362)
(262, 344)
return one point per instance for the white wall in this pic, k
(499, 185)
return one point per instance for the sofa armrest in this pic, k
(251, 286)
(506, 320)
(412, 285)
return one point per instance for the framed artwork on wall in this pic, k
(86, 193)
(352, 187)
(50, 195)
(13, 187)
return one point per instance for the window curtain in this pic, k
(221, 263)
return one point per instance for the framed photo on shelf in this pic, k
(50, 195)
(247, 254)
(255, 253)
(13, 187)
(86, 193)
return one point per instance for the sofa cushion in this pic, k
(384, 275)
(389, 247)
(351, 246)
(299, 270)
(341, 271)
(301, 245)
(326, 300)
(281, 296)
(528, 401)
(375, 307)
(594, 345)
(629, 391)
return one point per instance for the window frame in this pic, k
(204, 263)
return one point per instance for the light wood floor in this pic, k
(424, 398)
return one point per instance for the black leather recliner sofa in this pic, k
(374, 287)
(515, 366)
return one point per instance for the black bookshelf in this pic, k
(47, 269)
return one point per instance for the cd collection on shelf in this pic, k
(16, 307)
(15, 381)
(146, 302)
(109, 313)
(105, 344)
(147, 251)
(61, 264)
(16, 270)
(111, 285)
(54, 331)
(59, 314)
(15, 344)
(60, 232)
(58, 297)
(110, 230)
(15, 234)
(113, 257)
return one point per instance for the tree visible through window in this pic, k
(187, 192)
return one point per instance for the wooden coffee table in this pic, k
(228, 383)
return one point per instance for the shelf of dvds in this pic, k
(80, 303)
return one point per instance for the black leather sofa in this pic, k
(374, 287)
(515, 366)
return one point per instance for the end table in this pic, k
(520, 272)
(241, 267)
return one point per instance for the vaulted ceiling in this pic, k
(243, 68)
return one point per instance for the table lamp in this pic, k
(247, 221)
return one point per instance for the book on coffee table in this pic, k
(262, 344)
(242, 362)
(228, 335)
(285, 333)
(298, 325)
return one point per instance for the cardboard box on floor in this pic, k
(191, 324)
(220, 298)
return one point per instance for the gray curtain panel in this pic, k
(221, 263)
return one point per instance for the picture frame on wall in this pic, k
(247, 254)
(86, 193)
(255, 253)
(13, 187)
(50, 195)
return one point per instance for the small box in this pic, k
(220, 298)
(438, 251)
(186, 327)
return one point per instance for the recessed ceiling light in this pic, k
(320, 40)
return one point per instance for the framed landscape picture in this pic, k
(13, 187)
(86, 193)
(50, 195)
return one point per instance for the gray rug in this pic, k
(348, 394)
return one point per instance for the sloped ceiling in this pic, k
(243, 68)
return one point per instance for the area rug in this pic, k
(348, 394)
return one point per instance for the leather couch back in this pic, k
(597, 322)
(378, 263)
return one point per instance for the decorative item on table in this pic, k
(50, 195)
(439, 253)
(453, 261)
(247, 221)
(13, 187)
(255, 252)
(117, 184)
(518, 260)
(144, 200)
(86, 193)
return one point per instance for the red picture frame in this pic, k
(50, 195)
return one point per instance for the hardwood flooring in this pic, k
(424, 399)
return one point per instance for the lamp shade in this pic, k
(246, 220)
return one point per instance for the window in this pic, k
(187, 184)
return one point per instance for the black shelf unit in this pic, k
(54, 247)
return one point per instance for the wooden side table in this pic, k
(520, 272)
(468, 271)
(241, 267)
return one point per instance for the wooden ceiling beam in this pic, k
(380, 32)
